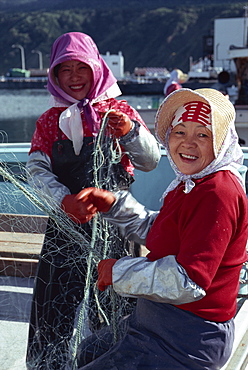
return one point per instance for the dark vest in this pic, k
(77, 171)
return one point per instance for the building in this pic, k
(230, 42)
(231, 51)
(116, 63)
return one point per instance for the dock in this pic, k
(21, 239)
(15, 303)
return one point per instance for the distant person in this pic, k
(175, 81)
(225, 93)
(61, 164)
(187, 285)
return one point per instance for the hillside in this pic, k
(162, 33)
(32, 5)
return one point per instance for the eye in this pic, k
(203, 135)
(64, 69)
(179, 132)
(83, 66)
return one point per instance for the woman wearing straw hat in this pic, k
(187, 285)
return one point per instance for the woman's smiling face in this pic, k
(75, 78)
(191, 147)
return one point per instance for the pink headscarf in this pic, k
(81, 47)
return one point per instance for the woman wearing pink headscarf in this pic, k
(60, 164)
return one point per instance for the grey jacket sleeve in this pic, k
(141, 147)
(41, 177)
(163, 280)
(133, 219)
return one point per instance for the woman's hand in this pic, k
(97, 200)
(82, 207)
(79, 211)
(105, 268)
(119, 124)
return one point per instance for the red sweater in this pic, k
(207, 231)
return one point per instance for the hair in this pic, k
(56, 70)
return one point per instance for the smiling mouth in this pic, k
(187, 156)
(79, 87)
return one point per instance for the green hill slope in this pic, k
(160, 34)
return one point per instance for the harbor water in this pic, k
(21, 108)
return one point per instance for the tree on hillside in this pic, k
(160, 37)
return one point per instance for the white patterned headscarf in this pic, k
(228, 153)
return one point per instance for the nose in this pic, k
(74, 74)
(189, 141)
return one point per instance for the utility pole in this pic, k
(40, 58)
(22, 54)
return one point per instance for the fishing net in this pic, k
(69, 264)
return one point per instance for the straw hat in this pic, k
(222, 112)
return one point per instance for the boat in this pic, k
(127, 86)
(14, 83)
(21, 238)
(18, 214)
